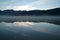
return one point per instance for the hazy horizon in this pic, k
(31, 10)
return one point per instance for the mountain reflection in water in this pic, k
(29, 31)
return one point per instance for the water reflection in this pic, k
(29, 28)
(29, 31)
(17, 24)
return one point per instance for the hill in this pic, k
(50, 12)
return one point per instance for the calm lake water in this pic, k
(29, 28)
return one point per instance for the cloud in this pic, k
(22, 4)
(45, 4)
(24, 7)
(40, 2)
(29, 4)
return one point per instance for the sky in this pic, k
(29, 4)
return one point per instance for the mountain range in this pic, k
(50, 12)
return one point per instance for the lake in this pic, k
(29, 27)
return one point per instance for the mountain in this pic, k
(55, 11)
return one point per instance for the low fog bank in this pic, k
(50, 19)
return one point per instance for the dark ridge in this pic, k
(51, 12)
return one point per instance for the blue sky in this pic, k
(29, 4)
